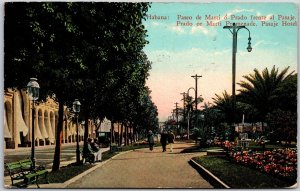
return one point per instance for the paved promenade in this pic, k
(141, 168)
(145, 169)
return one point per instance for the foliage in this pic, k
(260, 90)
(224, 105)
(90, 51)
(283, 125)
(265, 97)
(212, 116)
(287, 94)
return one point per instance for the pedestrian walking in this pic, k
(171, 139)
(150, 140)
(164, 139)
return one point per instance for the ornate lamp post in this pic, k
(33, 90)
(234, 32)
(76, 110)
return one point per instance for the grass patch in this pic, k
(237, 176)
(107, 155)
(67, 172)
(198, 149)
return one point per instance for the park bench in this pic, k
(23, 172)
(116, 148)
(87, 158)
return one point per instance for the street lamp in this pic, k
(33, 90)
(76, 110)
(234, 32)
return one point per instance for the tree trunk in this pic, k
(111, 132)
(126, 134)
(86, 130)
(59, 135)
(130, 134)
(133, 135)
(121, 133)
(119, 138)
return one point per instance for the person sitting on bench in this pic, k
(93, 149)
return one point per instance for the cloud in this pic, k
(177, 29)
(200, 29)
(194, 30)
(238, 11)
(268, 17)
(155, 24)
(167, 26)
(257, 13)
(263, 42)
(211, 32)
(261, 17)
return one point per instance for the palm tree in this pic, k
(224, 105)
(260, 90)
(287, 94)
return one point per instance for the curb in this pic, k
(210, 177)
(293, 186)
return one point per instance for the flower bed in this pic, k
(279, 162)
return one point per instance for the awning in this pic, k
(37, 132)
(6, 129)
(69, 132)
(73, 129)
(81, 131)
(49, 130)
(20, 124)
(42, 127)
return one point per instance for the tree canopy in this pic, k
(90, 51)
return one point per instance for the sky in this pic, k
(178, 51)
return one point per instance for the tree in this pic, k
(35, 34)
(260, 90)
(283, 125)
(212, 116)
(75, 51)
(224, 105)
(287, 94)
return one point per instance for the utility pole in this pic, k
(177, 118)
(184, 93)
(196, 104)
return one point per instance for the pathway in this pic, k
(146, 169)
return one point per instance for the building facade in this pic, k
(18, 122)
